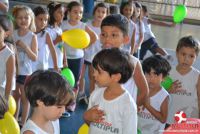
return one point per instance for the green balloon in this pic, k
(69, 76)
(139, 131)
(179, 13)
(167, 82)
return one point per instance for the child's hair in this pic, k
(100, 5)
(40, 10)
(49, 87)
(3, 107)
(144, 8)
(116, 20)
(188, 41)
(113, 61)
(73, 4)
(28, 10)
(159, 64)
(52, 7)
(113, 9)
(4, 23)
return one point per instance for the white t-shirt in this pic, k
(43, 53)
(54, 32)
(185, 100)
(147, 123)
(120, 114)
(31, 126)
(91, 51)
(4, 55)
(24, 62)
(73, 53)
(148, 33)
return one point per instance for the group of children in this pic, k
(127, 95)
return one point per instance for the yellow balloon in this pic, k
(84, 129)
(76, 38)
(11, 105)
(8, 125)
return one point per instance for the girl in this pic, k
(48, 100)
(75, 56)
(56, 12)
(7, 60)
(100, 11)
(137, 19)
(26, 42)
(127, 10)
(44, 41)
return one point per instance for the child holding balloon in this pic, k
(100, 11)
(153, 114)
(44, 41)
(185, 90)
(48, 93)
(7, 70)
(27, 49)
(74, 55)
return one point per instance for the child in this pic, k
(114, 33)
(100, 11)
(7, 61)
(127, 10)
(153, 115)
(26, 42)
(149, 42)
(56, 13)
(44, 41)
(185, 91)
(48, 93)
(75, 56)
(111, 68)
(3, 107)
(140, 30)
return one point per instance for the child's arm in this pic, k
(160, 23)
(133, 41)
(162, 115)
(141, 38)
(141, 84)
(53, 51)
(32, 52)
(198, 94)
(28, 132)
(92, 34)
(94, 114)
(10, 74)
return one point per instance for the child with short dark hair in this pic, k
(185, 90)
(3, 107)
(48, 93)
(111, 68)
(153, 114)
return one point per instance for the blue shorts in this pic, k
(21, 79)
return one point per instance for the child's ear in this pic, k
(7, 33)
(126, 39)
(116, 77)
(39, 103)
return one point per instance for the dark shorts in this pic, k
(150, 45)
(87, 62)
(21, 79)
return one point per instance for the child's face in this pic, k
(128, 11)
(53, 112)
(112, 37)
(100, 13)
(76, 13)
(41, 21)
(101, 77)
(186, 56)
(153, 79)
(23, 19)
(137, 12)
(2, 35)
(59, 15)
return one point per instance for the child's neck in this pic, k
(73, 23)
(113, 91)
(153, 91)
(96, 23)
(2, 45)
(23, 32)
(182, 70)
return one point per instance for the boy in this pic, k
(185, 90)
(48, 93)
(111, 68)
(152, 118)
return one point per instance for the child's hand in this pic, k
(176, 86)
(94, 114)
